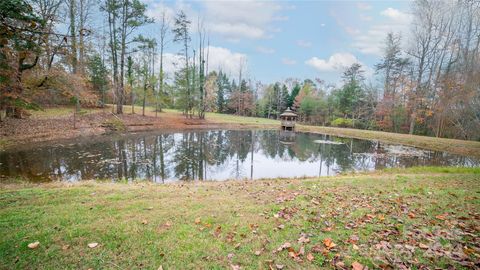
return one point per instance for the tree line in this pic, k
(427, 81)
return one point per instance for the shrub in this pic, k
(342, 122)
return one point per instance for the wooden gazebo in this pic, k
(288, 119)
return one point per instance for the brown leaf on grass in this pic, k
(441, 217)
(355, 247)
(198, 220)
(319, 249)
(235, 267)
(357, 266)
(310, 257)
(422, 246)
(411, 215)
(329, 244)
(144, 222)
(353, 239)
(230, 236)
(315, 201)
(217, 231)
(65, 247)
(34, 245)
(303, 239)
(327, 229)
(284, 246)
(258, 252)
(279, 266)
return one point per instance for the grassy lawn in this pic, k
(416, 217)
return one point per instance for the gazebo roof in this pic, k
(288, 112)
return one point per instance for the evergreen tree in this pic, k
(293, 95)
(98, 75)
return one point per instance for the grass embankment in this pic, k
(413, 218)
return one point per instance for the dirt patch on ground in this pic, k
(19, 131)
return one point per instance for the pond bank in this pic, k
(415, 218)
(57, 123)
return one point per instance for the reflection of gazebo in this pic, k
(288, 119)
(286, 137)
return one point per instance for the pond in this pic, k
(212, 155)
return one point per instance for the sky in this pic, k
(287, 39)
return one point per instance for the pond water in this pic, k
(212, 155)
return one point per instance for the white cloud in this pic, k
(242, 19)
(264, 50)
(288, 61)
(396, 15)
(304, 43)
(335, 62)
(156, 10)
(371, 40)
(363, 6)
(219, 59)
(223, 59)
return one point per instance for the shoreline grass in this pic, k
(416, 217)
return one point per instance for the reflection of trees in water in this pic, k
(195, 155)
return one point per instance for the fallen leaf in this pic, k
(258, 252)
(357, 266)
(284, 246)
(279, 266)
(411, 215)
(65, 247)
(160, 268)
(218, 231)
(355, 247)
(198, 220)
(353, 239)
(230, 256)
(303, 239)
(329, 243)
(422, 246)
(33, 245)
(92, 245)
(144, 222)
(310, 257)
(235, 267)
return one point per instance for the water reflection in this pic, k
(215, 155)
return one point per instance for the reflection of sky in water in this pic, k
(214, 155)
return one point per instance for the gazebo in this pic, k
(288, 119)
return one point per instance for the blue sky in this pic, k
(289, 39)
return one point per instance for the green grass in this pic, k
(234, 119)
(400, 209)
(62, 111)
